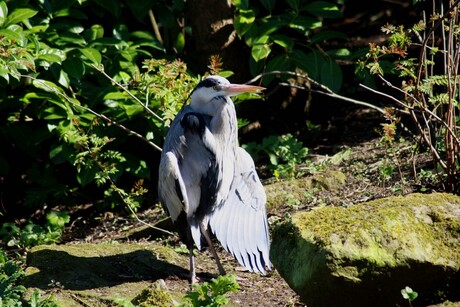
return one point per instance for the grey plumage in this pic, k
(207, 181)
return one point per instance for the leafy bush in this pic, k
(75, 120)
(284, 36)
(36, 300)
(11, 273)
(33, 234)
(428, 75)
(285, 153)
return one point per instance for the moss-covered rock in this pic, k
(365, 254)
(155, 295)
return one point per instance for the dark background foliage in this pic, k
(57, 153)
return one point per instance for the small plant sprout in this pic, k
(213, 293)
(409, 294)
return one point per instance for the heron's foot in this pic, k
(194, 280)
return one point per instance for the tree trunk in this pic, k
(213, 34)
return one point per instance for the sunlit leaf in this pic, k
(260, 52)
(339, 53)
(3, 12)
(283, 40)
(19, 15)
(322, 9)
(48, 86)
(92, 54)
(12, 35)
(305, 24)
(244, 21)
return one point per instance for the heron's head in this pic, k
(214, 91)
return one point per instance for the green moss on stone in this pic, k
(155, 295)
(367, 251)
(388, 229)
(283, 191)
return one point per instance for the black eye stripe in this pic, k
(210, 82)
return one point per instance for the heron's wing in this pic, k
(171, 187)
(187, 173)
(240, 223)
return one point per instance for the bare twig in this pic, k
(141, 221)
(101, 70)
(324, 90)
(422, 107)
(156, 29)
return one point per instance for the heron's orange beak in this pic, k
(235, 89)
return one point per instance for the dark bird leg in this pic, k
(205, 232)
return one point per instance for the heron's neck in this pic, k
(224, 123)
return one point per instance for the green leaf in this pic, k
(95, 32)
(305, 24)
(244, 21)
(268, 4)
(409, 294)
(331, 75)
(87, 175)
(66, 12)
(270, 25)
(339, 53)
(111, 6)
(179, 44)
(58, 219)
(283, 40)
(241, 4)
(294, 4)
(19, 15)
(322, 9)
(133, 109)
(3, 12)
(12, 35)
(5, 74)
(74, 67)
(326, 35)
(308, 62)
(92, 54)
(49, 57)
(260, 52)
(48, 86)
(280, 62)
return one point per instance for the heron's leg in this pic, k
(205, 232)
(193, 278)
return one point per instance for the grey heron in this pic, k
(207, 182)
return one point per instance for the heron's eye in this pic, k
(217, 88)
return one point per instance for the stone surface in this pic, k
(365, 254)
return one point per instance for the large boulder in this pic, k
(365, 254)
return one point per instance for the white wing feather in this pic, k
(240, 223)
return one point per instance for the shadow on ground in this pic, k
(90, 266)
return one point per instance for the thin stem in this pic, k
(101, 70)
